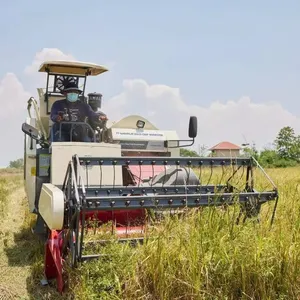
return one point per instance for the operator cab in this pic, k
(59, 75)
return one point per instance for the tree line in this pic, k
(284, 152)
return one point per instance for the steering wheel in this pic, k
(100, 127)
(74, 133)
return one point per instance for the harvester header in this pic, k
(128, 173)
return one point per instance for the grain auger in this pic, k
(128, 178)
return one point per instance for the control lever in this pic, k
(66, 116)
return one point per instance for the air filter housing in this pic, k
(95, 100)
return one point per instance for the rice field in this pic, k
(202, 255)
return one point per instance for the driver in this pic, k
(72, 110)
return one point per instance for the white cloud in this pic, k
(36, 79)
(13, 99)
(12, 94)
(163, 105)
(231, 120)
(44, 55)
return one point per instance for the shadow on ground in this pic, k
(28, 251)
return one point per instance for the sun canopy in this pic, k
(72, 68)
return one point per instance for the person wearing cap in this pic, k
(72, 110)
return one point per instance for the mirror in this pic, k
(193, 126)
(31, 131)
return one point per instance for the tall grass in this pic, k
(204, 255)
(8, 182)
(3, 194)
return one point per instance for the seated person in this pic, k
(71, 110)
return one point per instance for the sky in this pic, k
(233, 64)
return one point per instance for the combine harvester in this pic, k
(130, 171)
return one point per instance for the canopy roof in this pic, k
(72, 68)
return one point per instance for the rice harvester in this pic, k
(131, 169)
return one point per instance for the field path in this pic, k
(21, 252)
(13, 275)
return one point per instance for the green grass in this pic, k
(203, 255)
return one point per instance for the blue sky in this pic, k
(210, 50)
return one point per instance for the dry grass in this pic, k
(10, 171)
(205, 256)
(20, 250)
(202, 256)
(12, 213)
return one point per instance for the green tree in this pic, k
(17, 164)
(287, 144)
(270, 158)
(188, 153)
(251, 151)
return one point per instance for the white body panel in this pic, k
(153, 139)
(30, 167)
(62, 152)
(137, 134)
(51, 206)
(175, 152)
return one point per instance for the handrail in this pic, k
(74, 182)
(71, 172)
(79, 175)
(33, 102)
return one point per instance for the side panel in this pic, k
(175, 152)
(30, 167)
(62, 152)
(42, 172)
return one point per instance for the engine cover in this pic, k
(51, 206)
